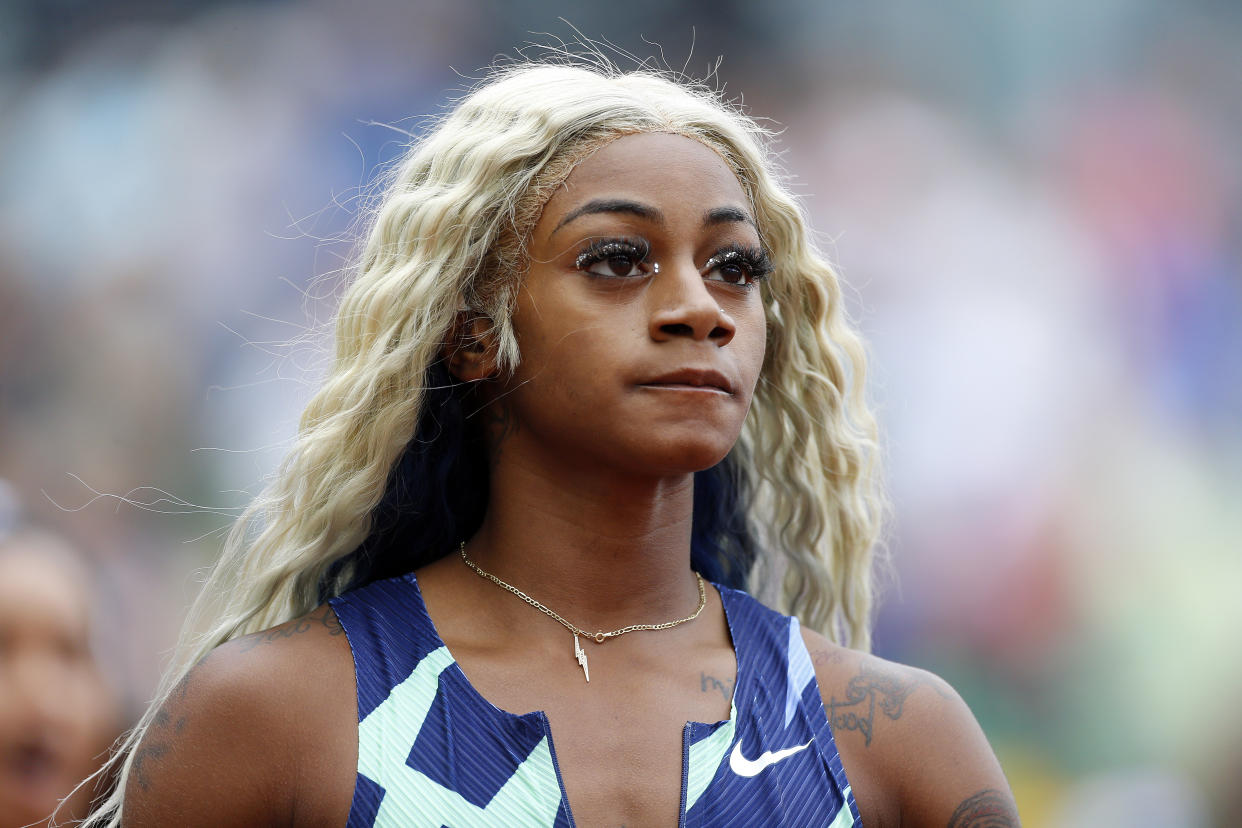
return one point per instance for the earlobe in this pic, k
(470, 351)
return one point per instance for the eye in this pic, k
(738, 264)
(614, 258)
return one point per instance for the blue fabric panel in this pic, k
(367, 798)
(468, 747)
(806, 787)
(389, 635)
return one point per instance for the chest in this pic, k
(620, 767)
(619, 742)
(654, 736)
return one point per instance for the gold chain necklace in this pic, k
(597, 637)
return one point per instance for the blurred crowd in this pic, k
(58, 714)
(1036, 207)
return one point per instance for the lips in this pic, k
(706, 379)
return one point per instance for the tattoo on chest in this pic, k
(989, 808)
(871, 690)
(710, 684)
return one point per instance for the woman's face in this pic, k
(640, 324)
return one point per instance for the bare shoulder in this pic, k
(913, 751)
(260, 732)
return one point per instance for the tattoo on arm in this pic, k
(822, 658)
(323, 618)
(149, 750)
(989, 808)
(163, 731)
(708, 684)
(157, 741)
(872, 689)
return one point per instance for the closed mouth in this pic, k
(692, 379)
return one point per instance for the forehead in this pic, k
(38, 588)
(651, 167)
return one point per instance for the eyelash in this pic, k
(636, 250)
(753, 260)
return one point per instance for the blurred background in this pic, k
(1036, 205)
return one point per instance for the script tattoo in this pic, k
(323, 618)
(989, 808)
(725, 686)
(873, 688)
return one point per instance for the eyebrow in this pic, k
(717, 215)
(726, 215)
(612, 205)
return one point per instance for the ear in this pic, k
(470, 349)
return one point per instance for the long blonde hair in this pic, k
(447, 237)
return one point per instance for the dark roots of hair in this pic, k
(437, 495)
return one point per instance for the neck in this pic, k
(602, 549)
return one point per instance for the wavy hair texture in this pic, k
(447, 239)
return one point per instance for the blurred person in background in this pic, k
(564, 375)
(57, 713)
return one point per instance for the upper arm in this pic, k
(914, 752)
(210, 753)
(239, 742)
(959, 782)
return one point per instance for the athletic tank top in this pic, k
(433, 752)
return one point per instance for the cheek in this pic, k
(570, 370)
(750, 345)
(561, 344)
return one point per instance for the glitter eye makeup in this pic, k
(738, 264)
(615, 258)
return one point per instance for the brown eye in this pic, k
(739, 265)
(614, 258)
(620, 265)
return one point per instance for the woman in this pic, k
(589, 359)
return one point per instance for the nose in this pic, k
(35, 685)
(682, 306)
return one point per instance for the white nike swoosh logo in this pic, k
(742, 766)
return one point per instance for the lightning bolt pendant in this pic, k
(580, 654)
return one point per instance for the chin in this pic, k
(683, 457)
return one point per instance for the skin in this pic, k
(592, 447)
(56, 713)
